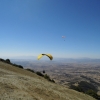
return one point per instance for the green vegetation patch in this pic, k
(86, 88)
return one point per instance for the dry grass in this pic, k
(20, 84)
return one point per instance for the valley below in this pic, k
(68, 73)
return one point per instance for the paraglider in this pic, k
(43, 71)
(64, 37)
(48, 55)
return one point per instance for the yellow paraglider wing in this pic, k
(48, 55)
(40, 56)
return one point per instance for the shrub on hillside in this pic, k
(2, 59)
(48, 78)
(92, 93)
(86, 88)
(39, 73)
(18, 66)
(52, 81)
(77, 88)
(30, 70)
(7, 60)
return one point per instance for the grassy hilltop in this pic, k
(20, 84)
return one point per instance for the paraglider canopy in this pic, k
(64, 37)
(48, 55)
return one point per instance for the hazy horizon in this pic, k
(45, 58)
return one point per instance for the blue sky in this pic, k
(31, 27)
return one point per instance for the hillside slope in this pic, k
(20, 84)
